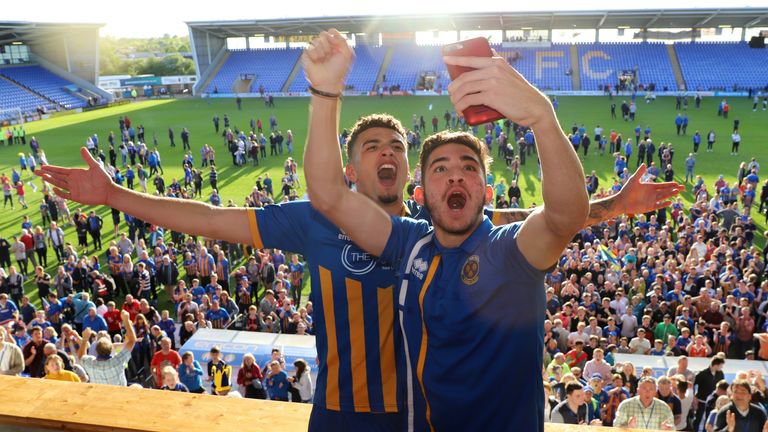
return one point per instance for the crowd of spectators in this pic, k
(683, 281)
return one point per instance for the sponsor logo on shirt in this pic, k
(357, 261)
(419, 267)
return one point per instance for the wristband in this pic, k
(326, 95)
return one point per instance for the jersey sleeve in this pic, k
(281, 226)
(405, 233)
(510, 250)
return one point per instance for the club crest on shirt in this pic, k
(470, 273)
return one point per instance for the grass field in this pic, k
(61, 138)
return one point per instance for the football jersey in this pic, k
(471, 321)
(353, 298)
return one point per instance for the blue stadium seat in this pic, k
(408, 61)
(364, 71)
(13, 96)
(46, 83)
(600, 64)
(545, 68)
(722, 65)
(270, 66)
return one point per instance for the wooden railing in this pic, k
(62, 406)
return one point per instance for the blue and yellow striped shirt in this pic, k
(353, 298)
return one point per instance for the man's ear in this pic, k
(488, 194)
(418, 195)
(351, 173)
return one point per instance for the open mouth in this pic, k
(457, 200)
(387, 174)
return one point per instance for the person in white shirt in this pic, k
(619, 304)
(579, 334)
(11, 357)
(684, 392)
(639, 344)
(628, 324)
(302, 381)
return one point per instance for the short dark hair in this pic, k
(722, 385)
(463, 138)
(741, 383)
(717, 361)
(372, 121)
(572, 387)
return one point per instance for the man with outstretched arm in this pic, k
(470, 293)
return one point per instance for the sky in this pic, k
(151, 18)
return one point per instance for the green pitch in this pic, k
(61, 138)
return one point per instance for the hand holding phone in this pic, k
(478, 47)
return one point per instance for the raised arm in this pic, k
(84, 343)
(326, 64)
(635, 197)
(496, 84)
(93, 186)
(130, 332)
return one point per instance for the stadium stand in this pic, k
(270, 66)
(362, 77)
(600, 63)
(705, 66)
(722, 65)
(546, 68)
(45, 83)
(408, 61)
(13, 96)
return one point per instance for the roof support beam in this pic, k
(602, 20)
(653, 20)
(756, 20)
(706, 20)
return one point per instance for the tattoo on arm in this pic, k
(600, 211)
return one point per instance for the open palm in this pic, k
(85, 185)
(641, 197)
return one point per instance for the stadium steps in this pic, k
(292, 76)
(242, 85)
(676, 67)
(383, 68)
(214, 72)
(29, 90)
(576, 75)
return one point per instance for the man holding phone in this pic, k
(467, 288)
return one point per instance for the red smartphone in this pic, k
(477, 47)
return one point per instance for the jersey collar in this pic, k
(473, 241)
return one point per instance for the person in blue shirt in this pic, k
(450, 272)
(218, 316)
(277, 382)
(696, 141)
(9, 312)
(678, 122)
(93, 321)
(191, 373)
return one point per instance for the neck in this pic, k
(394, 209)
(450, 240)
(742, 406)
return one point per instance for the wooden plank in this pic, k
(94, 407)
(65, 406)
